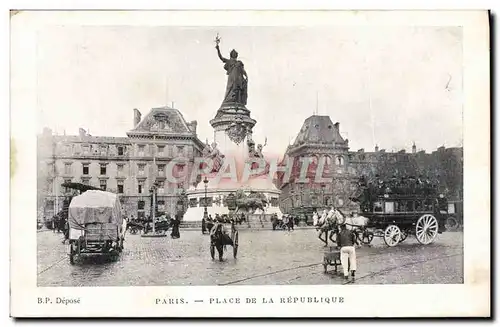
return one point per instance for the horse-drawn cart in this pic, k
(331, 258)
(161, 227)
(394, 215)
(96, 225)
(219, 240)
(134, 227)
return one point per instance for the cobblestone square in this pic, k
(264, 258)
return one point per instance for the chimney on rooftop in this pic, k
(376, 148)
(137, 117)
(192, 126)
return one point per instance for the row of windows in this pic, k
(160, 150)
(119, 166)
(339, 160)
(88, 149)
(403, 206)
(121, 149)
(141, 205)
(141, 189)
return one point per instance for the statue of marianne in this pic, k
(237, 79)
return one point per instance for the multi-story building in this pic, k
(320, 139)
(128, 165)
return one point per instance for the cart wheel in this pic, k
(212, 251)
(392, 235)
(426, 229)
(235, 246)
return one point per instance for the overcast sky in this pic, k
(93, 77)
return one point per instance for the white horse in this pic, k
(322, 219)
(357, 224)
(351, 222)
(335, 218)
(327, 225)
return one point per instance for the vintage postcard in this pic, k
(250, 164)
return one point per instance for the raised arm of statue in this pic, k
(224, 60)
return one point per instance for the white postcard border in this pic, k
(470, 299)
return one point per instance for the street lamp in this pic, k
(323, 194)
(152, 190)
(301, 195)
(205, 211)
(291, 197)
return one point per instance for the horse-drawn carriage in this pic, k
(395, 214)
(219, 239)
(161, 227)
(96, 225)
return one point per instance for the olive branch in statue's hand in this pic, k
(217, 41)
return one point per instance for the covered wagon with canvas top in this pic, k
(96, 225)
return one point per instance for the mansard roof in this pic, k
(319, 130)
(163, 121)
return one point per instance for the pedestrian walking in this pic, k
(175, 223)
(346, 241)
(203, 225)
(290, 223)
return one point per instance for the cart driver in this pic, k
(346, 240)
(218, 224)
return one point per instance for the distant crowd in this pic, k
(403, 185)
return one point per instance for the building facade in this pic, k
(128, 165)
(320, 140)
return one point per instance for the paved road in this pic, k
(264, 258)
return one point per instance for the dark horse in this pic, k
(219, 240)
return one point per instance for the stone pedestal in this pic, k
(233, 128)
(233, 119)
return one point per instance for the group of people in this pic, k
(402, 185)
(208, 222)
(162, 221)
(59, 224)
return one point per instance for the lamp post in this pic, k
(205, 211)
(291, 197)
(301, 195)
(323, 194)
(152, 190)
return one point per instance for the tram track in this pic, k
(52, 265)
(286, 270)
(383, 271)
(379, 272)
